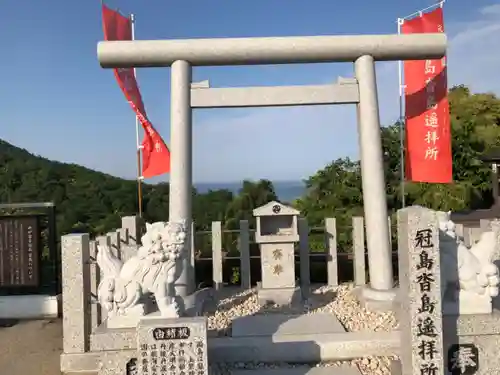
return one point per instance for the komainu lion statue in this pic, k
(469, 271)
(151, 270)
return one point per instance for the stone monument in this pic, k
(469, 277)
(447, 289)
(421, 319)
(276, 234)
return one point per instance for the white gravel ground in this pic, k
(230, 303)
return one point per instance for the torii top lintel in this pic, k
(272, 50)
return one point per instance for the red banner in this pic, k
(155, 153)
(428, 138)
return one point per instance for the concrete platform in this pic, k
(311, 348)
(285, 324)
(332, 370)
(29, 307)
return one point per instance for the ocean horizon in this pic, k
(286, 191)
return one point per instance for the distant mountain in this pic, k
(86, 200)
(92, 201)
(287, 191)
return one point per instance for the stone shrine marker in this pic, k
(420, 282)
(276, 233)
(19, 252)
(172, 346)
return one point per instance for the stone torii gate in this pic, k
(363, 50)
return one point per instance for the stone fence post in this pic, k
(332, 260)
(76, 288)
(217, 255)
(244, 248)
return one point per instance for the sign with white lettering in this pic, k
(463, 359)
(172, 346)
(19, 251)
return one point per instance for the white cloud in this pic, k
(292, 142)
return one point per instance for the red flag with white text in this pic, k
(155, 153)
(428, 134)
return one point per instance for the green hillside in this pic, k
(86, 200)
(90, 201)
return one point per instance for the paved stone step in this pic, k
(331, 370)
(285, 324)
(304, 348)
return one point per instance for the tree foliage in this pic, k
(475, 123)
(94, 202)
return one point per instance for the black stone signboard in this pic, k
(131, 368)
(463, 359)
(19, 252)
(171, 333)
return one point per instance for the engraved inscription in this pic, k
(19, 251)
(131, 367)
(425, 326)
(171, 333)
(277, 269)
(277, 254)
(463, 359)
(181, 357)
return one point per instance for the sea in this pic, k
(286, 191)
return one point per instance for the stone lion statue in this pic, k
(470, 270)
(152, 270)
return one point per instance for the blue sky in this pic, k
(57, 102)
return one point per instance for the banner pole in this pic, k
(402, 117)
(419, 12)
(401, 124)
(138, 146)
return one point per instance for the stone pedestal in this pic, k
(131, 319)
(117, 363)
(468, 303)
(378, 300)
(278, 274)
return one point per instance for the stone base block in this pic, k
(82, 362)
(377, 300)
(117, 363)
(131, 319)
(29, 307)
(309, 348)
(303, 370)
(277, 325)
(279, 296)
(395, 367)
(467, 304)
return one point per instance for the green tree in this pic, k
(251, 195)
(335, 191)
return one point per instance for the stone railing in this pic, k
(331, 252)
(81, 276)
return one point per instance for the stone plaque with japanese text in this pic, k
(19, 251)
(420, 283)
(278, 265)
(463, 359)
(172, 346)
